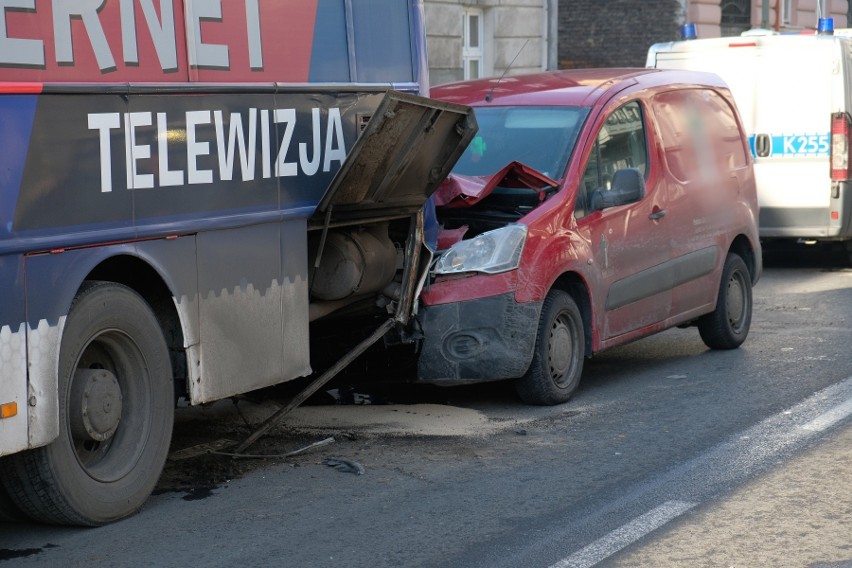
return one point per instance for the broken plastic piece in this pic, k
(346, 466)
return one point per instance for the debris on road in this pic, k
(319, 444)
(201, 449)
(346, 466)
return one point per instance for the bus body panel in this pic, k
(201, 162)
(253, 314)
(247, 326)
(217, 41)
(13, 353)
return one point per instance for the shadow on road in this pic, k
(829, 256)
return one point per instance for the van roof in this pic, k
(754, 38)
(573, 87)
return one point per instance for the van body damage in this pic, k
(593, 207)
(470, 205)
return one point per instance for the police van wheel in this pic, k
(115, 415)
(727, 326)
(560, 346)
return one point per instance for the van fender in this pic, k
(564, 263)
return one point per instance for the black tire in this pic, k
(560, 347)
(9, 512)
(727, 326)
(106, 460)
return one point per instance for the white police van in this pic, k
(794, 94)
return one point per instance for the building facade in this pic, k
(618, 33)
(714, 18)
(468, 39)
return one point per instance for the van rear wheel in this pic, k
(727, 326)
(557, 363)
(116, 404)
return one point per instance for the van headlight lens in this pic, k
(492, 252)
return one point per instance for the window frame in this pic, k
(583, 199)
(736, 16)
(473, 54)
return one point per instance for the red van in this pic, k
(594, 207)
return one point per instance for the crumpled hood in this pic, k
(458, 190)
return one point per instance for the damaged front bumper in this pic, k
(486, 339)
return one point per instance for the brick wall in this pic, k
(614, 33)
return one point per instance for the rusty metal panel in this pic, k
(409, 146)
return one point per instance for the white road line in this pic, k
(628, 534)
(741, 454)
(830, 417)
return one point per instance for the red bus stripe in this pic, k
(24, 88)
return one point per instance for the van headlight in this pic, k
(492, 252)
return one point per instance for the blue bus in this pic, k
(185, 187)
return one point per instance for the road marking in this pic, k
(710, 475)
(624, 536)
(741, 453)
(830, 417)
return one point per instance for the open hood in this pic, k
(409, 146)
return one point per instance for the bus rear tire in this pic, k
(116, 410)
(9, 512)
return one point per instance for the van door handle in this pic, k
(657, 214)
(762, 145)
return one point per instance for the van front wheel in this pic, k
(727, 326)
(557, 361)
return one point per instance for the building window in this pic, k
(472, 52)
(787, 12)
(736, 17)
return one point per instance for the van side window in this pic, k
(621, 143)
(700, 135)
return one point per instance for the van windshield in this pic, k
(539, 137)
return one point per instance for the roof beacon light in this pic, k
(825, 26)
(687, 32)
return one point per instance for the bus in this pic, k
(186, 186)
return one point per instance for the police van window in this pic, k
(621, 143)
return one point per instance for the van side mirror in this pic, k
(628, 186)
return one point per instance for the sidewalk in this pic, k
(799, 515)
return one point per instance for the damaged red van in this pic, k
(593, 208)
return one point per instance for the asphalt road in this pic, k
(668, 455)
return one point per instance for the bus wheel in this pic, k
(557, 364)
(115, 415)
(727, 326)
(9, 512)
